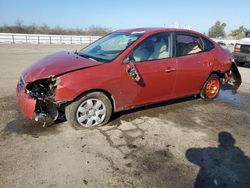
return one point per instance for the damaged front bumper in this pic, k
(36, 99)
(26, 102)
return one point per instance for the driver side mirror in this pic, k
(129, 59)
(131, 68)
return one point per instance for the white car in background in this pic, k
(242, 50)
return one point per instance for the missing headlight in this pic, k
(44, 92)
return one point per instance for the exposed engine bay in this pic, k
(44, 92)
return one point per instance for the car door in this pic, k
(194, 64)
(152, 60)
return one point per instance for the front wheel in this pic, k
(91, 110)
(211, 88)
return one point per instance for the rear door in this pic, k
(194, 64)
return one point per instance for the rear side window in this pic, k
(208, 45)
(188, 44)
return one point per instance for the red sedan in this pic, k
(123, 70)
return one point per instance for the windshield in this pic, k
(248, 34)
(109, 47)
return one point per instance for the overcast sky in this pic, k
(116, 14)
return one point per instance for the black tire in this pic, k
(203, 92)
(71, 109)
(240, 63)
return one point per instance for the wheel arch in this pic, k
(217, 72)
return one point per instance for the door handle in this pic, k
(170, 69)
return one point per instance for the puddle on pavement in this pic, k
(228, 97)
(239, 99)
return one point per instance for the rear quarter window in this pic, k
(187, 44)
(208, 45)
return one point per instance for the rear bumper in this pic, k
(26, 102)
(235, 77)
(241, 57)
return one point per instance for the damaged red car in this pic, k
(123, 70)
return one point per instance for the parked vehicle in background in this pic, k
(124, 70)
(242, 50)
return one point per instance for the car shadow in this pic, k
(15, 121)
(22, 125)
(222, 166)
(153, 110)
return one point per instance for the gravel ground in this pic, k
(181, 143)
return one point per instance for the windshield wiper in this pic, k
(93, 58)
(87, 56)
(84, 55)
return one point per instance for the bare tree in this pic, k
(19, 27)
(217, 30)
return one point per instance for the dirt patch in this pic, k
(160, 169)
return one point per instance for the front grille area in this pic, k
(245, 49)
(20, 84)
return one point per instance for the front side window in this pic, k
(153, 48)
(188, 44)
(110, 46)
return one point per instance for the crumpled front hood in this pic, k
(56, 64)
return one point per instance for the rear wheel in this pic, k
(91, 110)
(211, 88)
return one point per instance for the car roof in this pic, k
(148, 30)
